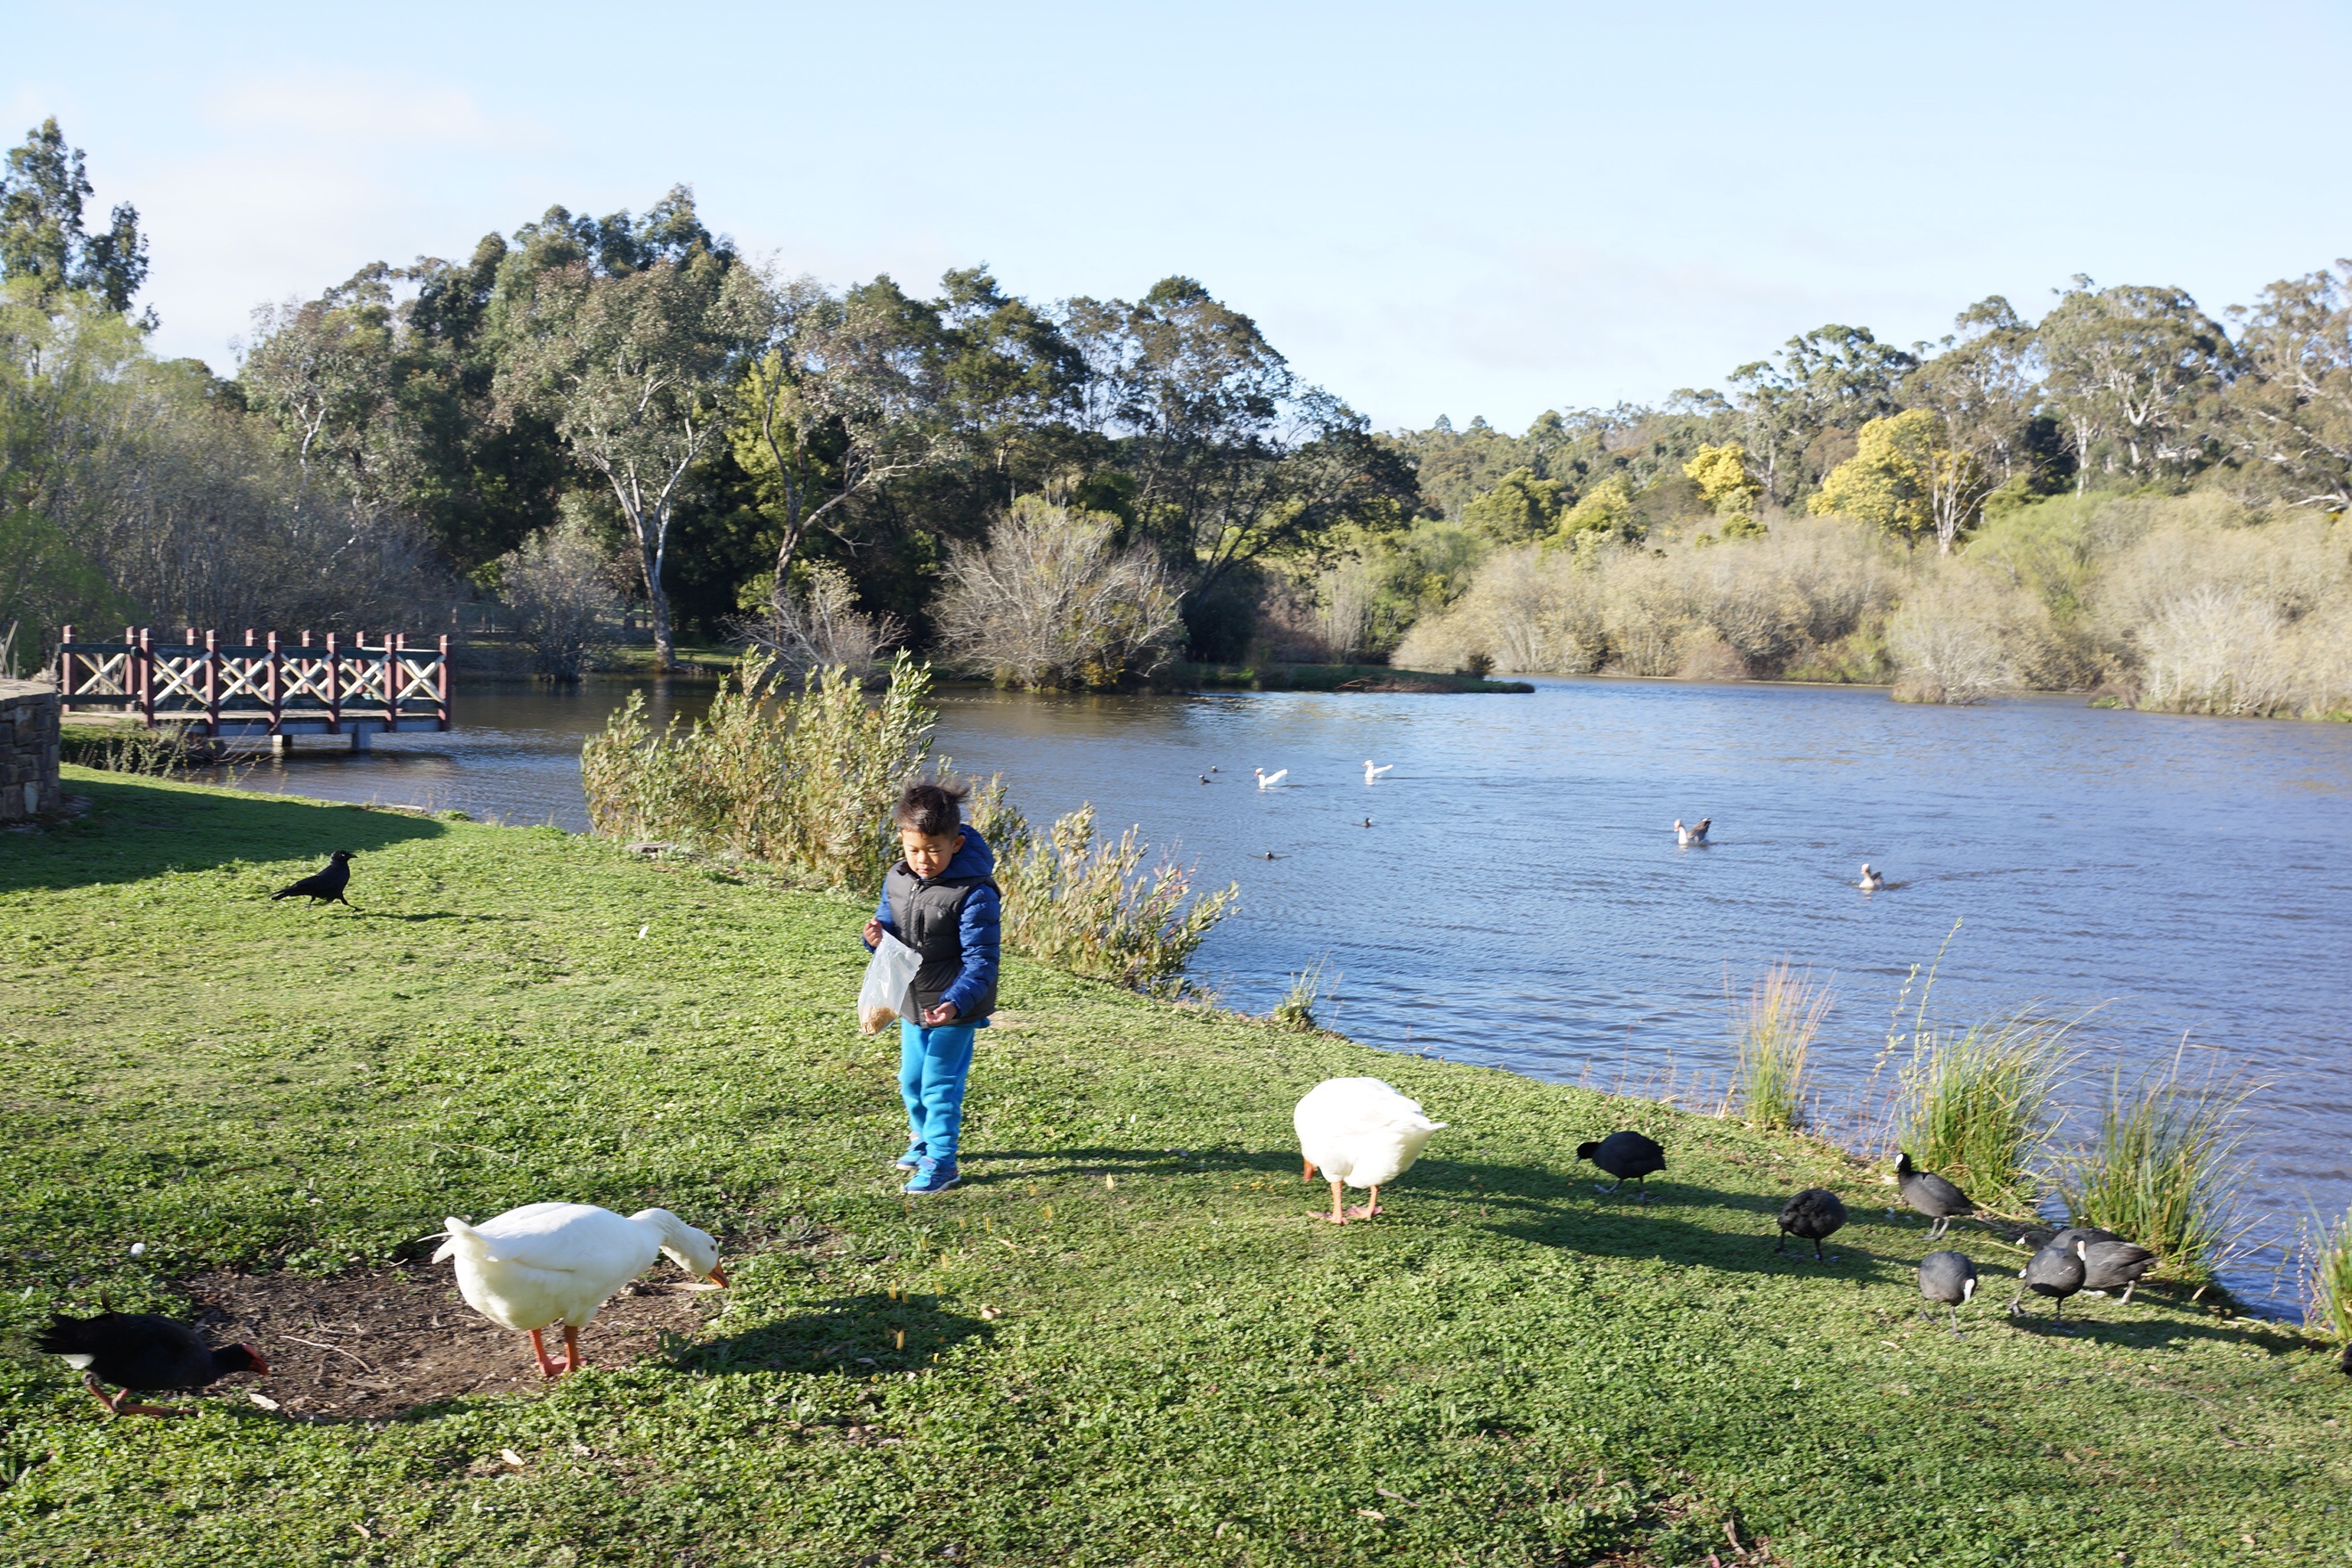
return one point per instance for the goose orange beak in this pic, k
(718, 1275)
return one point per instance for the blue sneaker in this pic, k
(933, 1177)
(912, 1159)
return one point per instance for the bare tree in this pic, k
(1052, 601)
(823, 628)
(562, 598)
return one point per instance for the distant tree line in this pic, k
(740, 451)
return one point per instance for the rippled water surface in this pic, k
(1518, 899)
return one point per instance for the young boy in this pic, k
(939, 900)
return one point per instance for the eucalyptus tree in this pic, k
(324, 369)
(1834, 377)
(2290, 413)
(2131, 372)
(1979, 390)
(631, 359)
(44, 236)
(1230, 457)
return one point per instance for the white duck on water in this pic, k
(1371, 774)
(1870, 880)
(545, 1264)
(1687, 836)
(1358, 1132)
(1268, 780)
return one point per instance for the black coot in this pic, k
(1932, 1196)
(2055, 1272)
(1628, 1156)
(1948, 1277)
(137, 1351)
(2112, 1262)
(1812, 1214)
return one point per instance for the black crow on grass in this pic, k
(323, 886)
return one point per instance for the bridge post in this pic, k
(212, 685)
(335, 688)
(272, 692)
(443, 694)
(65, 667)
(392, 644)
(145, 657)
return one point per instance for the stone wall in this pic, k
(28, 750)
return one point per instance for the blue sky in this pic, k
(1490, 210)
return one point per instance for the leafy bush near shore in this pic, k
(1087, 905)
(807, 779)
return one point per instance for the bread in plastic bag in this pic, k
(883, 999)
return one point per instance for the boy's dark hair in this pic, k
(932, 809)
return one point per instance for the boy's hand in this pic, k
(944, 1012)
(874, 933)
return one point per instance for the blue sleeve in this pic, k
(977, 930)
(882, 913)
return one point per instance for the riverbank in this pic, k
(1127, 1340)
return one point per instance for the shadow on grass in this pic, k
(1680, 1223)
(136, 828)
(863, 1336)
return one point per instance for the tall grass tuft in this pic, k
(803, 779)
(1087, 905)
(2327, 1283)
(2166, 1167)
(1973, 1104)
(1773, 1034)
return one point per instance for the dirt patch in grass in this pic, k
(373, 1343)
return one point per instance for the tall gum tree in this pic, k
(2290, 414)
(633, 370)
(2129, 370)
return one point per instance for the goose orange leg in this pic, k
(1306, 1169)
(1367, 1209)
(1336, 1217)
(547, 1368)
(573, 1360)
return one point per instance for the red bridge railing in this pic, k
(262, 687)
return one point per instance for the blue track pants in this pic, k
(933, 1065)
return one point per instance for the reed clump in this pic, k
(1089, 905)
(1773, 1034)
(1297, 1008)
(1974, 1104)
(802, 779)
(2166, 1166)
(2327, 1284)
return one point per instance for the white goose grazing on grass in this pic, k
(545, 1264)
(1268, 780)
(1358, 1132)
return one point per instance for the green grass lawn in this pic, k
(1126, 1342)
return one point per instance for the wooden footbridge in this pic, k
(262, 687)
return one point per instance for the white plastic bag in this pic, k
(890, 976)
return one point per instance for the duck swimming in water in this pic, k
(1870, 880)
(1687, 836)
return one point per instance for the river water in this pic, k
(1519, 900)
